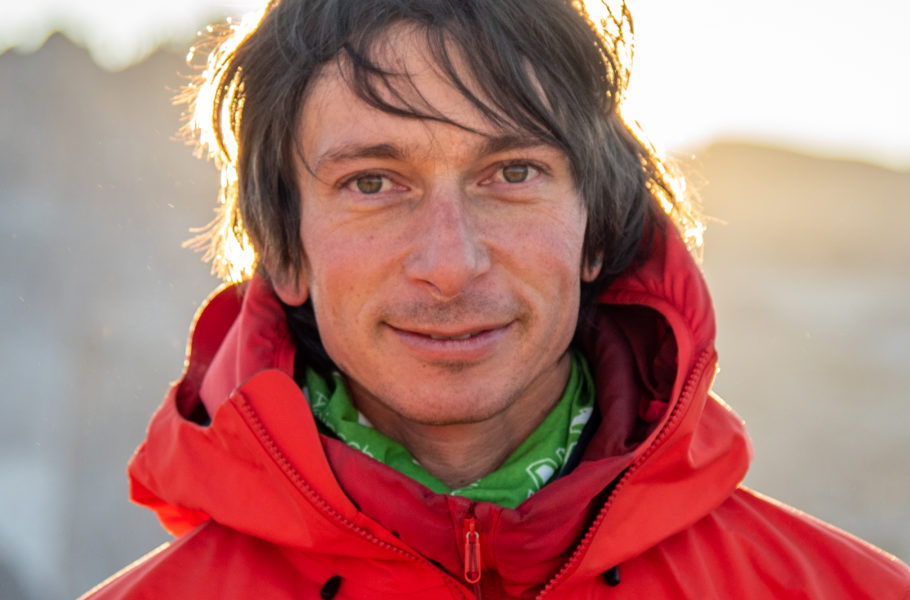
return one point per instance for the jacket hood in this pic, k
(235, 441)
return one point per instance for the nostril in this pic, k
(448, 265)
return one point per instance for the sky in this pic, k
(821, 76)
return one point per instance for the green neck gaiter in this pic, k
(531, 466)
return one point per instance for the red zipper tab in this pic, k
(472, 562)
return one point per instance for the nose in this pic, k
(448, 251)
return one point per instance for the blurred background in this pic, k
(788, 117)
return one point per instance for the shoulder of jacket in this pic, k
(794, 546)
(123, 583)
(214, 561)
(753, 547)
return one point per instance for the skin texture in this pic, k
(417, 233)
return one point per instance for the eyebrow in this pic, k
(349, 152)
(390, 151)
(503, 143)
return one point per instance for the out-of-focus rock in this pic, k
(96, 294)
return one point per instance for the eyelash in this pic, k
(352, 181)
(533, 168)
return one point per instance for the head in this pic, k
(455, 73)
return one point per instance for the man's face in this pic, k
(444, 266)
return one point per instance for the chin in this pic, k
(460, 409)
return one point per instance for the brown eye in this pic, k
(515, 173)
(369, 184)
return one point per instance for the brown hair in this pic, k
(542, 65)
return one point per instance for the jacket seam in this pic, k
(259, 430)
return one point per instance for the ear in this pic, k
(292, 292)
(591, 269)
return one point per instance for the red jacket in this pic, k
(264, 507)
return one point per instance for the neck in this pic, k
(461, 453)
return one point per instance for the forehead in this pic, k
(413, 91)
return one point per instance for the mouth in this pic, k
(449, 334)
(464, 344)
(466, 336)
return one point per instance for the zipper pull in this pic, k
(472, 562)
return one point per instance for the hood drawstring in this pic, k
(611, 576)
(330, 589)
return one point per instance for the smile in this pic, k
(457, 337)
(463, 345)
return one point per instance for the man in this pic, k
(475, 357)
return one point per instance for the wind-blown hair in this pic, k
(540, 67)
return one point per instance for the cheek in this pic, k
(326, 264)
(557, 257)
(550, 245)
(337, 302)
(343, 268)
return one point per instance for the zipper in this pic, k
(473, 563)
(694, 377)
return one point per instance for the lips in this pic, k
(462, 333)
(469, 344)
(453, 337)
